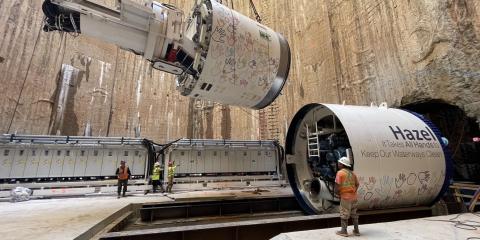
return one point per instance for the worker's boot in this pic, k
(343, 232)
(356, 232)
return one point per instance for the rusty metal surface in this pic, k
(217, 208)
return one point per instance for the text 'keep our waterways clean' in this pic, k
(408, 144)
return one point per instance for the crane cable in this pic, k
(254, 9)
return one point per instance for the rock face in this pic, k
(114, 93)
(394, 51)
(357, 51)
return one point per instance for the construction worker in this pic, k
(171, 174)
(346, 185)
(123, 174)
(157, 169)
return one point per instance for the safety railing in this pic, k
(468, 194)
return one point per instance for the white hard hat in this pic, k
(157, 164)
(345, 161)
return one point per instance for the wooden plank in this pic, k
(463, 195)
(464, 187)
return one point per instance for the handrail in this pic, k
(83, 140)
(474, 200)
(459, 196)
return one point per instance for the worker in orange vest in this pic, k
(346, 185)
(123, 174)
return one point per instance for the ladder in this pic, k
(313, 145)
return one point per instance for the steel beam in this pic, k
(261, 228)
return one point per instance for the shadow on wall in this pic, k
(460, 131)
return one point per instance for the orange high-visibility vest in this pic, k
(123, 175)
(348, 184)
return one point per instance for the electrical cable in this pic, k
(255, 12)
(465, 225)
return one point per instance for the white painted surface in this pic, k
(94, 162)
(57, 163)
(69, 163)
(81, 163)
(225, 160)
(422, 228)
(242, 62)
(6, 162)
(139, 159)
(392, 171)
(44, 165)
(19, 163)
(62, 160)
(32, 163)
(109, 164)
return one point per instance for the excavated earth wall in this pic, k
(352, 51)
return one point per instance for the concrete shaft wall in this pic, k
(357, 51)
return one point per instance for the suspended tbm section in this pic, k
(217, 53)
(398, 156)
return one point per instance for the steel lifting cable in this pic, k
(75, 33)
(254, 9)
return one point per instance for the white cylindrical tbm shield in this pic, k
(397, 155)
(245, 63)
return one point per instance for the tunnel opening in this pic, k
(331, 140)
(462, 133)
(327, 143)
